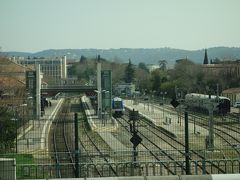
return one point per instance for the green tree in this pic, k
(142, 79)
(83, 59)
(8, 131)
(185, 75)
(163, 65)
(129, 73)
(143, 67)
(205, 61)
(155, 80)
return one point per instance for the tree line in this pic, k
(186, 75)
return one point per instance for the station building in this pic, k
(54, 70)
(233, 94)
(232, 69)
(152, 67)
(124, 89)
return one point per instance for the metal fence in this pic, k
(37, 171)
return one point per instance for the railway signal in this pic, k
(77, 150)
(136, 139)
(174, 103)
(133, 115)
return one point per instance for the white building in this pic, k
(152, 67)
(54, 70)
(233, 94)
(124, 89)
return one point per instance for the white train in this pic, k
(198, 102)
(117, 107)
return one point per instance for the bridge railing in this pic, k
(59, 87)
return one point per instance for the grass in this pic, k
(20, 158)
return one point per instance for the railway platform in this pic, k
(103, 126)
(34, 138)
(165, 119)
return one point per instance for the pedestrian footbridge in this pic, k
(67, 88)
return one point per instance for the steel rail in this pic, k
(62, 120)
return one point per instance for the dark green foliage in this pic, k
(129, 73)
(143, 66)
(83, 70)
(8, 131)
(83, 59)
(72, 70)
(186, 75)
(155, 80)
(163, 65)
(87, 73)
(216, 61)
(205, 61)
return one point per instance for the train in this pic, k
(117, 107)
(198, 102)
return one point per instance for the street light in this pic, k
(100, 108)
(16, 121)
(23, 119)
(30, 110)
(163, 93)
(104, 109)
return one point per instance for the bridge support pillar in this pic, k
(99, 87)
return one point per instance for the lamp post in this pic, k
(100, 108)
(23, 118)
(153, 92)
(99, 102)
(16, 118)
(104, 93)
(163, 93)
(29, 110)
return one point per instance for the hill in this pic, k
(148, 56)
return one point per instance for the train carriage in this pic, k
(117, 107)
(198, 102)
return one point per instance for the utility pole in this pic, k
(210, 138)
(187, 154)
(99, 87)
(38, 92)
(175, 103)
(77, 151)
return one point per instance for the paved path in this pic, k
(104, 127)
(35, 138)
(163, 118)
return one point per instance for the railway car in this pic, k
(117, 107)
(198, 102)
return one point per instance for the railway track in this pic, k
(148, 146)
(95, 151)
(63, 144)
(225, 133)
(170, 143)
(224, 130)
(176, 145)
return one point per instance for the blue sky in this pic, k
(35, 25)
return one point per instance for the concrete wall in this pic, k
(7, 169)
(180, 177)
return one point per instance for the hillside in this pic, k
(148, 56)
